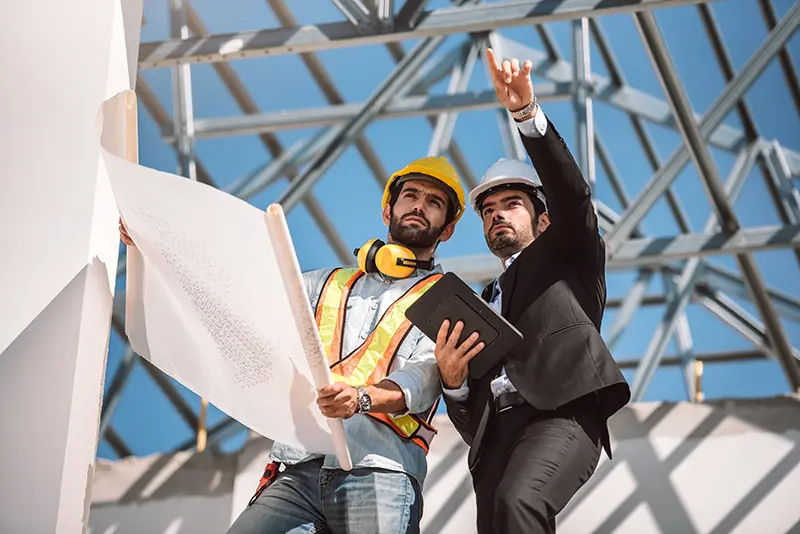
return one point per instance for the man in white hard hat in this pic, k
(536, 424)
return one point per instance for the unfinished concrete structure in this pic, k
(673, 461)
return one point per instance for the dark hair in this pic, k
(538, 206)
(394, 194)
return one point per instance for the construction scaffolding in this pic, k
(448, 45)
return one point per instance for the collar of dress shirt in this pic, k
(507, 263)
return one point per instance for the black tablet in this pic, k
(452, 299)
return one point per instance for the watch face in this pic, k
(364, 402)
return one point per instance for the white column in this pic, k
(58, 234)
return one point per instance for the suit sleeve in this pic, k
(569, 198)
(459, 414)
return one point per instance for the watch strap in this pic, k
(527, 110)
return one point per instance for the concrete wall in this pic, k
(729, 466)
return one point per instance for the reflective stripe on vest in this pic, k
(369, 363)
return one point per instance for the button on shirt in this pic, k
(535, 127)
(373, 444)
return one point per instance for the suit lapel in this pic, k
(508, 283)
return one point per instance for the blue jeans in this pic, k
(306, 499)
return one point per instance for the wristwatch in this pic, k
(527, 110)
(364, 400)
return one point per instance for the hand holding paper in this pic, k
(224, 312)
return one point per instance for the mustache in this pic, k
(418, 216)
(500, 224)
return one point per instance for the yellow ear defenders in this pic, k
(396, 261)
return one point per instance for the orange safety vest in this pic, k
(370, 363)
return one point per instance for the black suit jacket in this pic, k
(554, 293)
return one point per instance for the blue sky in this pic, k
(351, 196)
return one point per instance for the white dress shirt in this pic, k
(534, 127)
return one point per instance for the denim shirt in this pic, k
(371, 443)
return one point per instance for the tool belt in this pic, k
(269, 476)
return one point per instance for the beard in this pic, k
(414, 237)
(507, 244)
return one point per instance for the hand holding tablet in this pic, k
(453, 300)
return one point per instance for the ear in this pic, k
(387, 215)
(544, 222)
(448, 232)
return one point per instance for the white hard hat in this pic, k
(506, 172)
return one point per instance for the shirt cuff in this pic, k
(536, 126)
(408, 385)
(458, 395)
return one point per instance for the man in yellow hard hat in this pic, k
(386, 380)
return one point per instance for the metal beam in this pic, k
(270, 142)
(722, 205)
(116, 442)
(213, 434)
(354, 11)
(162, 381)
(459, 81)
(628, 99)
(410, 13)
(380, 97)
(711, 120)
(582, 100)
(649, 300)
(384, 11)
(728, 281)
(328, 88)
(788, 64)
(735, 316)
(630, 303)
(182, 109)
(436, 69)
(654, 251)
(778, 172)
(706, 358)
(436, 23)
(399, 107)
(682, 111)
(745, 115)
(617, 79)
(684, 288)
(658, 250)
(148, 97)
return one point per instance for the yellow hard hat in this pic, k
(434, 167)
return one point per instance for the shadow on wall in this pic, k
(718, 467)
(174, 493)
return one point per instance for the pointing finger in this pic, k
(491, 59)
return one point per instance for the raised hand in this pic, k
(512, 85)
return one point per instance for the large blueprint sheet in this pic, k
(207, 305)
